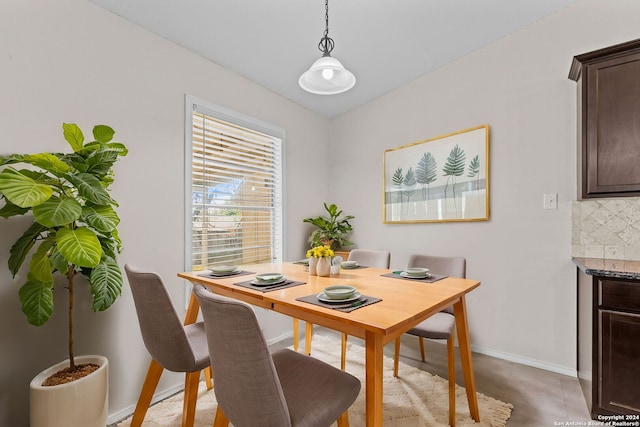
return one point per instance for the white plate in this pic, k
(410, 276)
(416, 271)
(349, 266)
(322, 297)
(265, 283)
(269, 277)
(337, 291)
(223, 269)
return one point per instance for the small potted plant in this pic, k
(74, 232)
(331, 230)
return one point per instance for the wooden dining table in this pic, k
(404, 303)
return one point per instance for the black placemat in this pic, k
(355, 268)
(346, 307)
(274, 287)
(429, 279)
(225, 276)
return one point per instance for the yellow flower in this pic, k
(320, 252)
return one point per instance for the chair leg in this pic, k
(307, 338)
(421, 347)
(146, 394)
(295, 334)
(191, 381)
(452, 381)
(208, 376)
(343, 421)
(396, 356)
(343, 356)
(221, 419)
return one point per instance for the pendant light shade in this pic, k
(327, 76)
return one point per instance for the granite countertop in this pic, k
(615, 268)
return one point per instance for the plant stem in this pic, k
(70, 275)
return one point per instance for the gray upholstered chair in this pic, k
(370, 258)
(172, 346)
(255, 388)
(440, 326)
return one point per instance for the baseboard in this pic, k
(282, 337)
(128, 411)
(526, 361)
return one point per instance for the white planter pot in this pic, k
(81, 403)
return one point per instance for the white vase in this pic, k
(324, 266)
(80, 403)
(313, 262)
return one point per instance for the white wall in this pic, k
(525, 309)
(71, 61)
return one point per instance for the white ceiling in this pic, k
(385, 43)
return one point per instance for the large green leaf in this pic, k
(48, 162)
(103, 133)
(100, 162)
(119, 147)
(56, 212)
(106, 284)
(13, 158)
(73, 135)
(37, 301)
(40, 266)
(58, 261)
(76, 161)
(90, 188)
(22, 190)
(9, 209)
(80, 246)
(110, 244)
(102, 218)
(23, 245)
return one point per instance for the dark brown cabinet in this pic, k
(609, 344)
(608, 120)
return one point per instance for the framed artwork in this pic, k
(442, 179)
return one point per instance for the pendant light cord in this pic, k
(326, 43)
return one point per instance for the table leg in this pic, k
(192, 310)
(460, 312)
(373, 379)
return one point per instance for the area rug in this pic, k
(415, 399)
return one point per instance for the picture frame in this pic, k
(441, 179)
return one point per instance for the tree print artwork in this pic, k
(456, 191)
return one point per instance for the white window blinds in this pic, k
(236, 188)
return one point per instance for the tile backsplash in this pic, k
(606, 228)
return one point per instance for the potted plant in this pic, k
(74, 232)
(330, 230)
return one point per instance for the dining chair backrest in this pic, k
(163, 334)
(370, 258)
(247, 387)
(447, 266)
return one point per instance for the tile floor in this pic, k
(540, 398)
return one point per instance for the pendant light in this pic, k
(327, 76)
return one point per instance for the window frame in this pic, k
(194, 104)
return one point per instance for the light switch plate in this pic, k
(550, 201)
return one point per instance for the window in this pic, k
(234, 180)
